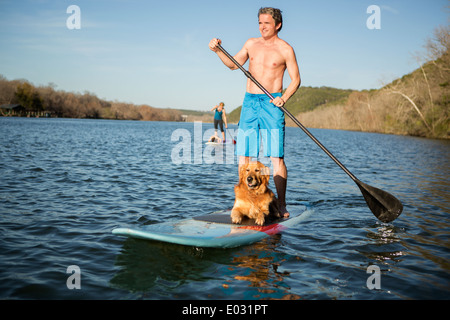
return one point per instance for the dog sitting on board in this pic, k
(254, 199)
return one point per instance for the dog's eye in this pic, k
(256, 170)
(248, 170)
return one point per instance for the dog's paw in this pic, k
(236, 217)
(259, 221)
(236, 220)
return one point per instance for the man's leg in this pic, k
(280, 180)
(221, 129)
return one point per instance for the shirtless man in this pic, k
(269, 58)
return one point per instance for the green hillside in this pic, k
(416, 104)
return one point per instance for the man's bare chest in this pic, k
(266, 58)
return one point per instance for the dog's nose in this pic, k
(249, 179)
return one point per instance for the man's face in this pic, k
(267, 25)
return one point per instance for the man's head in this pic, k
(275, 14)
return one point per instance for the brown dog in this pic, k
(253, 197)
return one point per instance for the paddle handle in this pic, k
(298, 123)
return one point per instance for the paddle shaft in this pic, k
(234, 142)
(298, 123)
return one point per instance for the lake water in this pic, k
(65, 184)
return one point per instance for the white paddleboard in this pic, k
(214, 230)
(210, 143)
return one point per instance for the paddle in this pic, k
(234, 141)
(382, 204)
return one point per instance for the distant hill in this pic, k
(417, 104)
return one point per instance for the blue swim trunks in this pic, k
(260, 118)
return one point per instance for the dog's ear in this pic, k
(242, 172)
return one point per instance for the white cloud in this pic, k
(389, 9)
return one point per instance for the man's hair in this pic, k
(275, 13)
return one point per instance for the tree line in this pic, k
(58, 103)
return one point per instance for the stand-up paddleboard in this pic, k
(214, 230)
(211, 143)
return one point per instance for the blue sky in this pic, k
(156, 52)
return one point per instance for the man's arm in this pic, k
(241, 56)
(294, 74)
(224, 118)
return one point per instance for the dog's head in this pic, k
(255, 176)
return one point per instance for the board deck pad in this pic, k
(214, 230)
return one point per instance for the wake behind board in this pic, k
(214, 230)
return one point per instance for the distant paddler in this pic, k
(219, 119)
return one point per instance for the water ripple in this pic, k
(65, 184)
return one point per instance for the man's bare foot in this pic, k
(283, 212)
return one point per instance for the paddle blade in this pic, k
(383, 205)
